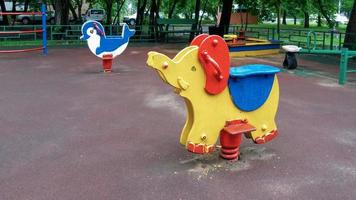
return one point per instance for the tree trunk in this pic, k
(278, 10)
(62, 12)
(196, 19)
(306, 19)
(139, 13)
(141, 5)
(324, 13)
(204, 10)
(152, 21)
(172, 8)
(79, 4)
(350, 37)
(284, 17)
(27, 2)
(158, 5)
(13, 10)
(108, 5)
(241, 19)
(53, 4)
(246, 20)
(120, 4)
(225, 15)
(72, 10)
(3, 9)
(295, 20)
(319, 20)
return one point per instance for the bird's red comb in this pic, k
(96, 27)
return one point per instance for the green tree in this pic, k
(62, 12)
(196, 18)
(326, 8)
(225, 15)
(346, 7)
(108, 5)
(3, 9)
(350, 38)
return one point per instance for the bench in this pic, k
(164, 30)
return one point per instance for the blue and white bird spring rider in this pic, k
(105, 47)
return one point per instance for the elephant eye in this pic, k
(193, 69)
(165, 65)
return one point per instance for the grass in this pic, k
(21, 43)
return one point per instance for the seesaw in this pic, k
(220, 101)
(105, 47)
(344, 53)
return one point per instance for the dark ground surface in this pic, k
(69, 132)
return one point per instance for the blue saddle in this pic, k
(250, 85)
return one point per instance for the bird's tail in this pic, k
(127, 31)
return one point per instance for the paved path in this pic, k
(69, 132)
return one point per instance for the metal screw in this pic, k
(264, 127)
(165, 65)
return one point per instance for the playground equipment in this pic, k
(220, 100)
(290, 59)
(102, 46)
(240, 45)
(344, 53)
(43, 31)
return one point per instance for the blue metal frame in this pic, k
(44, 29)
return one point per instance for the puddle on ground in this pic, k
(168, 101)
(329, 83)
(135, 52)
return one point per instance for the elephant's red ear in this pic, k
(214, 56)
(198, 39)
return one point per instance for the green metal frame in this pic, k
(324, 39)
(344, 53)
(308, 39)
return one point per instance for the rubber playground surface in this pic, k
(70, 132)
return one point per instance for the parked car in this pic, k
(342, 19)
(130, 20)
(95, 14)
(32, 19)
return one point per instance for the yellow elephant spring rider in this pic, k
(221, 101)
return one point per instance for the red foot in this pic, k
(107, 62)
(200, 148)
(266, 138)
(231, 136)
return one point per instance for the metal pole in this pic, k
(44, 29)
(273, 33)
(332, 40)
(343, 66)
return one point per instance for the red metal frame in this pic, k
(22, 50)
(19, 32)
(44, 35)
(20, 13)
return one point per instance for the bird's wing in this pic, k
(109, 44)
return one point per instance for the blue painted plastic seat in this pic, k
(250, 85)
